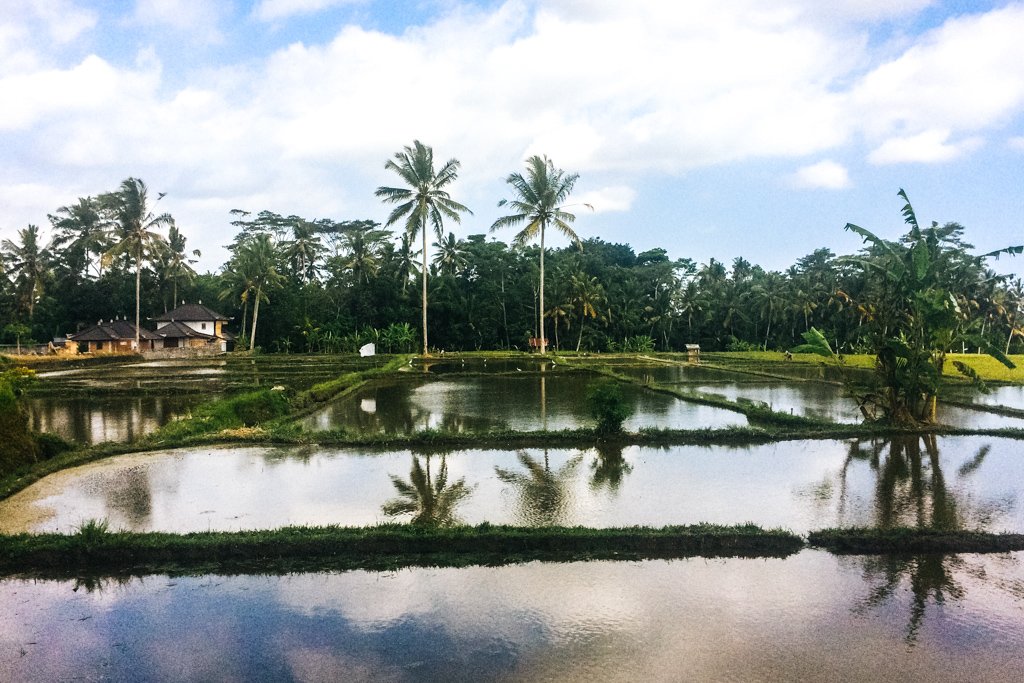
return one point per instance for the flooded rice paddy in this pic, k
(125, 401)
(809, 617)
(214, 375)
(527, 402)
(973, 483)
(92, 419)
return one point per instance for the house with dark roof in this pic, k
(194, 326)
(115, 336)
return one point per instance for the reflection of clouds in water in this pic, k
(753, 619)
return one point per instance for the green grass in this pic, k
(864, 541)
(95, 547)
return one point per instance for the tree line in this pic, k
(297, 284)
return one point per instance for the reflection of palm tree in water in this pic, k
(609, 468)
(130, 495)
(931, 577)
(431, 502)
(911, 489)
(543, 499)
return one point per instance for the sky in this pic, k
(710, 128)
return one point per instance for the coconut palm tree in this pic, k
(175, 264)
(450, 258)
(256, 260)
(79, 234)
(425, 199)
(587, 296)
(363, 243)
(304, 250)
(132, 227)
(539, 202)
(28, 265)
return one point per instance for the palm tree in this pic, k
(768, 296)
(303, 250)
(450, 258)
(132, 227)
(539, 203)
(406, 257)
(176, 266)
(78, 232)
(256, 259)
(587, 295)
(363, 242)
(424, 199)
(28, 264)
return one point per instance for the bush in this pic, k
(17, 447)
(608, 406)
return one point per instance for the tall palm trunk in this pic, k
(138, 290)
(255, 315)
(543, 341)
(423, 229)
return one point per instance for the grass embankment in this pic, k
(870, 541)
(261, 416)
(987, 367)
(94, 548)
(96, 551)
(757, 413)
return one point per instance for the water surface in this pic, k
(810, 617)
(526, 402)
(95, 419)
(951, 483)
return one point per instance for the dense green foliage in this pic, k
(917, 308)
(19, 446)
(608, 406)
(329, 285)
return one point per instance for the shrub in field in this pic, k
(608, 406)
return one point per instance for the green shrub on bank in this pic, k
(244, 410)
(608, 406)
(17, 445)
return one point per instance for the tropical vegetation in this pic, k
(322, 285)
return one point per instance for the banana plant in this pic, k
(917, 314)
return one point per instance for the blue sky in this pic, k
(712, 129)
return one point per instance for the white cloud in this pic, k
(275, 10)
(199, 18)
(607, 89)
(605, 200)
(930, 146)
(26, 26)
(827, 174)
(63, 19)
(963, 76)
(839, 11)
(83, 90)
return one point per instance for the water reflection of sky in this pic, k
(802, 618)
(522, 403)
(956, 482)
